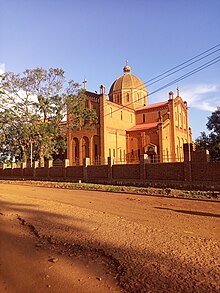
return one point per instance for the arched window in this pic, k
(143, 118)
(121, 115)
(127, 97)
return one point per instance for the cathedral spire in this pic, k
(84, 81)
(178, 91)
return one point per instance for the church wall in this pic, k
(116, 120)
(150, 116)
(81, 136)
(138, 140)
(166, 142)
(181, 128)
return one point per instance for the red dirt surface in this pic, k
(55, 240)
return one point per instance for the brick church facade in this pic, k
(129, 127)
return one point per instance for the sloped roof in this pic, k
(144, 126)
(157, 105)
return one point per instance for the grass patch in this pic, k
(122, 189)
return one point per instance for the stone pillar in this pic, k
(70, 150)
(86, 162)
(80, 151)
(91, 151)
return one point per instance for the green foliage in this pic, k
(81, 116)
(33, 106)
(211, 141)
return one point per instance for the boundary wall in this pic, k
(196, 172)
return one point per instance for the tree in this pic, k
(211, 141)
(33, 106)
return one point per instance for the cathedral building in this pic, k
(129, 127)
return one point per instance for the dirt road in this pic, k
(55, 240)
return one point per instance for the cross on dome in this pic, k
(127, 68)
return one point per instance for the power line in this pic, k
(170, 70)
(194, 71)
(155, 79)
(182, 63)
(205, 65)
(148, 84)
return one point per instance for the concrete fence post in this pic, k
(35, 166)
(187, 150)
(23, 165)
(66, 164)
(187, 171)
(86, 162)
(110, 163)
(50, 164)
(13, 165)
(143, 160)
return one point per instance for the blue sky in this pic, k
(92, 39)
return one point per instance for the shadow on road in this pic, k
(195, 213)
(133, 268)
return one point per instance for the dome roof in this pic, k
(127, 81)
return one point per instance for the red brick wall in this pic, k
(56, 172)
(207, 171)
(165, 171)
(74, 172)
(97, 171)
(41, 172)
(202, 172)
(28, 172)
(126, 171)
(17, 172)
(7, 172)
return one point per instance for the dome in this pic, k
(127, 82)
(130, 86)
